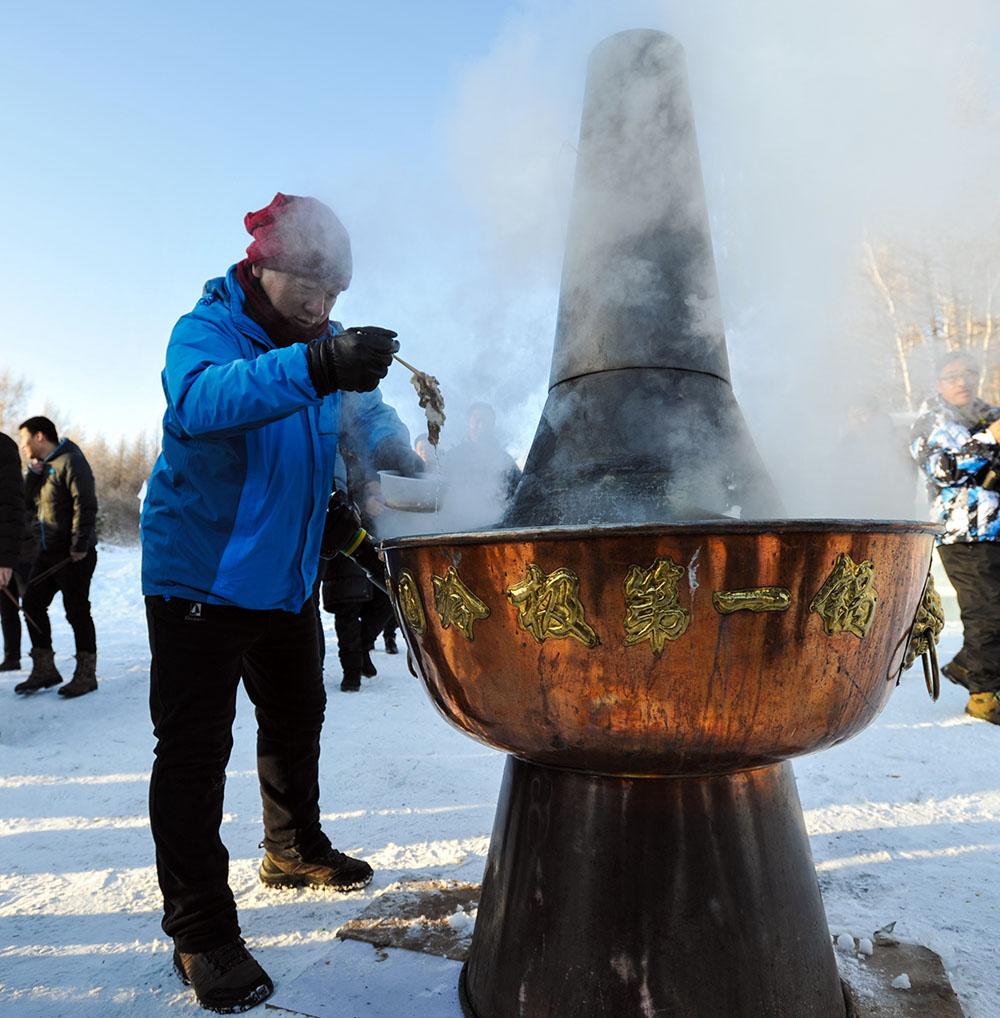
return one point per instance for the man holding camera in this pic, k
(956, 442)
(256, 380)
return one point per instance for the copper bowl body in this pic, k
(703, 691)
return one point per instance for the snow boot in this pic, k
(984, 706)
(329, 868)
(225, 979)
(351, 682)
(368, 669)
(84, 677)
(10, 664)
(43, 672)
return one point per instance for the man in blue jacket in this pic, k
(258, 384)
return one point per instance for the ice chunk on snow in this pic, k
(865, 946)
(845, 943)
(901, 982)
(462, 922)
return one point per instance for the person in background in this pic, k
(389, 633)
(360, 610)
(423, 448)
(372, 508)
(956, 443)
(60, 490)
(256, 381)
(479, 460)
(14, 562)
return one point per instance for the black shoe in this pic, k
(390, 644)
(350, 683)
(329, 869)
(225, 979)
(368, 669)
(10, 664)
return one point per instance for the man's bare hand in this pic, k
(77, 556)
(994, 430)
(373, 504)
(5, 574)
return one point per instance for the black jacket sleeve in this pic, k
(79, 481)
(11, 503)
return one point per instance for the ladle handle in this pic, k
(407, 365)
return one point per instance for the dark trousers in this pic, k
(974, 571)
(199, 653)
(358, 625)
(10, 622)
(73, 582)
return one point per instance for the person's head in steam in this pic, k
(301, 258)
(957, 378)
(423, 448)
(482, 422)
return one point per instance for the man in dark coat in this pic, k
(60, 486)
(15, 541)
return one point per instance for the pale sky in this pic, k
(135, 136)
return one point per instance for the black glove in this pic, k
(356, 360)
(395, 455)
(342, 527)
(343, 534)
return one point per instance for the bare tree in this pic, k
(14, 392)
(937, 297)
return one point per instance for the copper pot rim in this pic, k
(692, 528)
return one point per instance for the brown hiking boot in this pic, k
(84, 677)
(984, 706)
(328, 869)
(225, 979)
(43, 672)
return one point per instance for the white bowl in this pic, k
(415, 494)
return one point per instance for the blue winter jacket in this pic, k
(235, 505)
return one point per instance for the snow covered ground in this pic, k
(904, 822)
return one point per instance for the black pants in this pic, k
(974, 571)
(73, 581)
(10, 622)
(358, 625)
(199, 653)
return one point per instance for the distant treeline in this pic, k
(120, 467)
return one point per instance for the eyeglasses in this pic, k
(959, 376)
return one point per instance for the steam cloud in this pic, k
(816, 126)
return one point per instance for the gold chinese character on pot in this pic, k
(652, 611)
(549, 607)
(456, 604)
(846, 601)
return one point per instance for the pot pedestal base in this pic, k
(691, 897)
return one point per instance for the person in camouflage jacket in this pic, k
(956, 443)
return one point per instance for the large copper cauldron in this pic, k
(649, 855)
